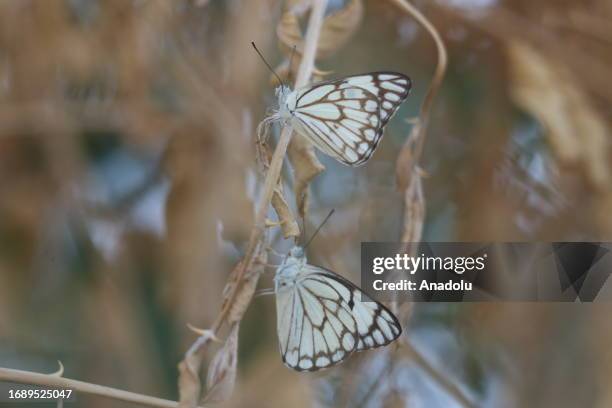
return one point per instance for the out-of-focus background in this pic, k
(128, 180)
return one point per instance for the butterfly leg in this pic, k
(275, 252)
(270, 223)
(267, 265)
(263, 130)
(264, 292)
(262, 154)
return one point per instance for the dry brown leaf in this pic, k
(288, 224)
(246, 289)
(409, 181)
(414, 209)
(282, 71)
(338, 27)
(286, 219)
(306, 166)
(243, 297)
(189, 368)
(289, 32)
(221, 377)
(548, 91)
(189, 378)
(406, 161)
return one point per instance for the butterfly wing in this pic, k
(391, 89)
(342, 123)
(322, 320)
(376, 325)
(345, 118)
(313, 331)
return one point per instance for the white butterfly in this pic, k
(322, 317)
(344, 118)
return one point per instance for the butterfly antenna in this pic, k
(291, 64)
(303, 237)
(319, 228)
(267, 65)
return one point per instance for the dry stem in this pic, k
(409, 180)
(194, 356)
(312, 36)
(55, 381)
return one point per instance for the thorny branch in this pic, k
(189, 383)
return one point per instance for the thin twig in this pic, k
(50, 380)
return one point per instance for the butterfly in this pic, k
(343, 118)
(322, 318)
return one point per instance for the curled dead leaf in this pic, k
(288, 77)
(406, 160)
(414, 209)
(245, 288)
(288, 224)
(289, 32)
(306, 166)
(286, 219)
(188, 384)
(189, 378)
(576, 131)
(338, 27)
(243, 297)
(221, 377)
